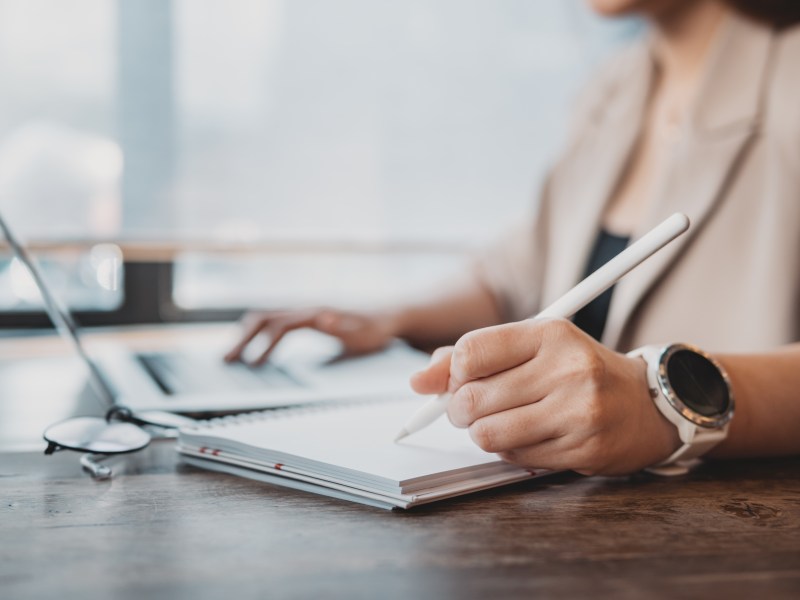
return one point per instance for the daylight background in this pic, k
(351, 150)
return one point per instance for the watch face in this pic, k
(698, 383)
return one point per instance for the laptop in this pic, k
(306, 367)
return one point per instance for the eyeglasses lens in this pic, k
(93, 434)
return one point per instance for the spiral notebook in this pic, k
(347, 451)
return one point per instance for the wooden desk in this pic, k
(165, 530)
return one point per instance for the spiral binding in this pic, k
(286, 412)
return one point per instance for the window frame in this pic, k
(147, 299)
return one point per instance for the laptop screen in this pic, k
(59, 314)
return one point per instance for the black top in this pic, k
(592, 317)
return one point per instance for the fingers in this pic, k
(275, 336)
(434, 378)
(554, 454)
(334, 323)
(524, 383)
(252, 327)
(338, 324)
(510, 389)
(538, 435)
(359, 333)
(275, 325)
(491, 350)
(278, 330)
(518, 427)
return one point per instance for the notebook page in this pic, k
(356, 438)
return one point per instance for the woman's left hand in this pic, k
(543, 394)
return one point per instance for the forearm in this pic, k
(442, 318)
(766, 390)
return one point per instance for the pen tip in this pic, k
(403, 433)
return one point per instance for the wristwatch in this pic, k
(693, 392)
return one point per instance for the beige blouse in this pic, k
(732, 283)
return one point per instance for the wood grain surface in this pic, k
(160, 529)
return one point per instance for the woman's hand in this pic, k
(541, 393)
(360, 333)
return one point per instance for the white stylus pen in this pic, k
(575, 299)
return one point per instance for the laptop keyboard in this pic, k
(186, 373)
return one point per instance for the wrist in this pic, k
(661, 438)
(409, 324)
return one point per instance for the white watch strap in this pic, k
(696, 440)
(703, 442)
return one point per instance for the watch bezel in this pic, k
(683, 409)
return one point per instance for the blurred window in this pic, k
(424, 123)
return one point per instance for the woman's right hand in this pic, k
(360, 333)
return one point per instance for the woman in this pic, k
(700, 117)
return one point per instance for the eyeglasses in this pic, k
(120, 432)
